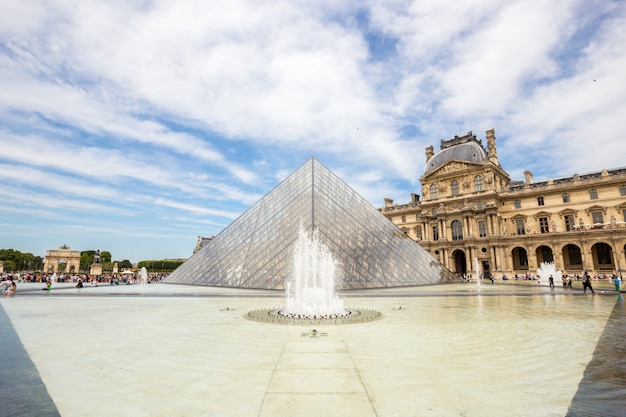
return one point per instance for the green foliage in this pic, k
(124, 264)
(86, 259)
(160, 265)
(9, 265)
(15, 260)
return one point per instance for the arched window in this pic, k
(455, 187)
(478, 183)
(457, 230)
(433, 191)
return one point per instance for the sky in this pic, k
(136, 126)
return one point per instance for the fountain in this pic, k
(143, 276)
(477, 267)
(545, 270)
(311, 292)
(310, 296)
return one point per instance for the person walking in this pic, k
(617, 282)
(587, 284)
(551, 280)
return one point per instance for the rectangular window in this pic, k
(543, 225)
(479, 205)
(433, 191)
(540, 201)
(624, 213)
(593, 194)
(455, 187)
(482, 228)
(596, 217)
(565, 197)
(419, 233)
(519, 224)
(403, 218)
(435, 232)
(434, 211)
(622, 190)
(518, 204)
(478, 183)
(569, 222)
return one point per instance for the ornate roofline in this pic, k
(457, 140)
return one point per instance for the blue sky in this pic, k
(135, 126)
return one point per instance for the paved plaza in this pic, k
(444, 350)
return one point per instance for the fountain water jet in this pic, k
(545, 270)
(477, 265)
(311, 292)
(143, 276)
(311, 296)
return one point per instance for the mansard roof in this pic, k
(465, 148)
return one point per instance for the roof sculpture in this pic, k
(256, 250)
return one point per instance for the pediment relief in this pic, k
(595, 208)
(542, 214)
(451, 167)
(568, 212)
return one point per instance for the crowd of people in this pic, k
(566, 280)
(9, 281)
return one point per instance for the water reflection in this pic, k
(602, 390)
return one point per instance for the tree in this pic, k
(8, 265)
(124, 264)
(17, 261)
(162, 265)
(106, 256)
(86, 260)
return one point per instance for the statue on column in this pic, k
(97, 258)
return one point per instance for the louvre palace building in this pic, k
(471, 209)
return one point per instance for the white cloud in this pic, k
(188, 112)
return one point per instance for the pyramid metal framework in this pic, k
(256, 250)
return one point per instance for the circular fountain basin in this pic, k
(276, 316)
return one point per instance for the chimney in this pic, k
(388, 202)
(430, 151)
(491, 147)
(528, 177)
(415, 198)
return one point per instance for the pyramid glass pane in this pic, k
(255, 251)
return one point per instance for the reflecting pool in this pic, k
(453, 350)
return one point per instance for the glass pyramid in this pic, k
(256, 250)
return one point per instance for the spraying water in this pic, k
(545, 270)
(477, 265)
(311, 292)
(143, 276)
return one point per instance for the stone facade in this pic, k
(62, 254)
(472, 210)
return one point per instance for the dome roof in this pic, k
(469, 151)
